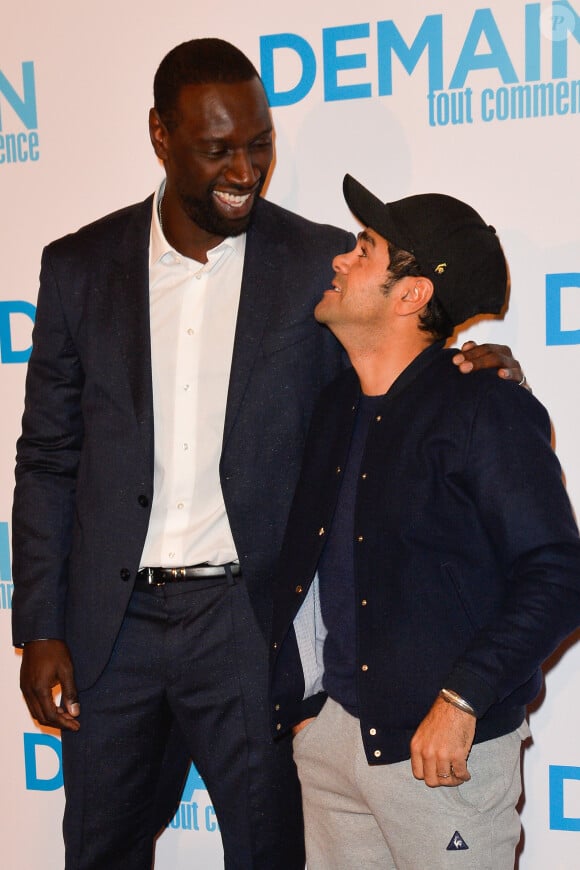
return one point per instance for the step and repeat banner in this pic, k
(478, 101)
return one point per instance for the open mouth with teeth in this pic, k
(233, 200)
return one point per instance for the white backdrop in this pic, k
(481, 103)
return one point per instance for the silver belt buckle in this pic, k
(150, 575)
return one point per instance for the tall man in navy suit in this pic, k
(174, 369)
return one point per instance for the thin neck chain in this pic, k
(159, 214)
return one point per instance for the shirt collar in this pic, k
(161, 251)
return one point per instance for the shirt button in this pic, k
(372, 731)
(377, 753)
(190, 331)
(180, 506)
(364, 668)
(278, 727)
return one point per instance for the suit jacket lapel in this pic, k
(129, 296)
(261, 273)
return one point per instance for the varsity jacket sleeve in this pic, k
(513, 475)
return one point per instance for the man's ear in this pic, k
(414, 294)
(158, 134)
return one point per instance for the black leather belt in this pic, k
(147, 577)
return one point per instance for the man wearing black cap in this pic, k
(430, 565)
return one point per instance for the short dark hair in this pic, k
(197, 62)
(403, 264)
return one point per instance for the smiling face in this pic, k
(216, 156)
(374, 308)
(357, 296)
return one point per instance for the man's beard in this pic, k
(204, 214)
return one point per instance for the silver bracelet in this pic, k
(457, 701)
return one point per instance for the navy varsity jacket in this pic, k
(467, 555)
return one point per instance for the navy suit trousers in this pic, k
(187, 678)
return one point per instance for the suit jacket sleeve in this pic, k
(47, 460)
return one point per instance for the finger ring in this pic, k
(444, 775)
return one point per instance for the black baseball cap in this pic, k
(457, 250)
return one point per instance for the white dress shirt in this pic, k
(193, 309)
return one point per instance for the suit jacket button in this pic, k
(143, 501)
(125, 574)
(299, 590)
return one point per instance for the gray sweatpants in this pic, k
(361, 817)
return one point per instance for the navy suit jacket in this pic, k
(84, 473)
